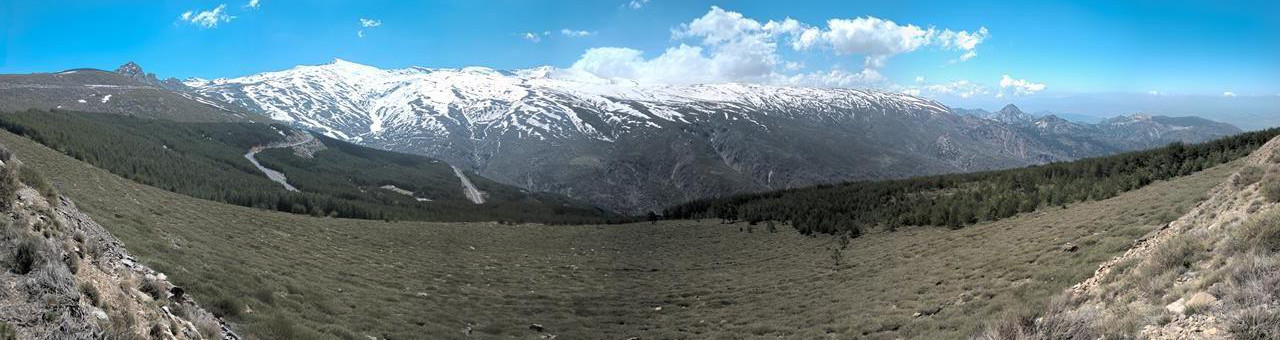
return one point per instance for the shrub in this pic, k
(1247, 176)
(8, 184)
(1178, 252)
(72, 261)
(206, 324)
(1261, 233)
(226, 307)
(278, 326)
(1080, 325)
(90, 292)
(158, 332)
(155, 288)
(27, 255)
(7, 332)
(1259, 323)
(38, 182)
(1008, 327)
(1271, 190)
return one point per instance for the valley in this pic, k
(280, 275)
(639, 170)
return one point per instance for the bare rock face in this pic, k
(62, 276)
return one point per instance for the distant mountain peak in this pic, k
(1011, 110)
(1011, 114)
(131, 70)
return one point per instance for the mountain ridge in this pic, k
(611, 140)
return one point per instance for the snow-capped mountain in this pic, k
(638, 147)
(359, 102)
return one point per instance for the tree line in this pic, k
(957, 200)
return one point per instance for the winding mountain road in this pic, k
(277, 176)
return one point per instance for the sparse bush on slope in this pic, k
(8, 180)
(7, 332)
(1260, 233)
(1271, 186)
(1248, 176)
(1253, 278)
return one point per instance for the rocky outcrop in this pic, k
(65, 277)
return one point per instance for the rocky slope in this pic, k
(636, 147)
(1210, 274)
(128, 91)
(65, 277)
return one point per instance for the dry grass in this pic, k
(322, 278)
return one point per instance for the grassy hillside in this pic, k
(206, 160)
(957, 200)
(1214, 273)
(283, 275)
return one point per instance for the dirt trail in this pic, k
(475, 195)
(277, 176)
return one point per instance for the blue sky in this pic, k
(1044, 47)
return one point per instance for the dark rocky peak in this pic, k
(130, 69)
(1011, 110)
(1010, 114)
(133, 71)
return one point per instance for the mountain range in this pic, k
(623, 145)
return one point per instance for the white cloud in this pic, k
(725, 46)
(532, 37)
(575, 33)
(1019, 87)
(367, 23)
(959, 88)
(252, 4)
(1154, 93)
(877, 39)
(637, 4)
(207, 19)
(1228, 94)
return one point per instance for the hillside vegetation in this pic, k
(963, 199)
(206, 160)
(1213, 273)
(290, 276)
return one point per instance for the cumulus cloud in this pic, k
(876, 39)
(725, 46)
(208, 18)
(1018, 87)
(252, 4)
(1228, 94)
(959, 88)
(575, 33)
(637, 4)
